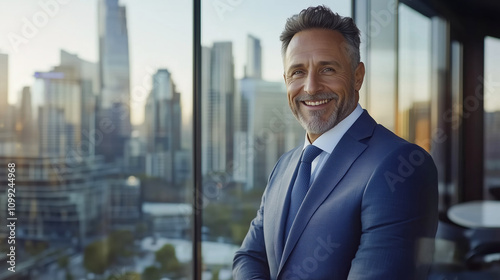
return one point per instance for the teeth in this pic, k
(316, 103)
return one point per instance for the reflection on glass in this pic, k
(492, 118)
(247, 124)
(95, 140)
(381, 67)
(414, 77)
(454, 118)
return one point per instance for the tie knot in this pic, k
(310, 153)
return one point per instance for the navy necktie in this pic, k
(301, 184)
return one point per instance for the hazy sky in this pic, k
(160, 36)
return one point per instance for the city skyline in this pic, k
(168, 45)
(71, 197)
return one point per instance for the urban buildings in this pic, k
(253, 67)
(77, 111)
(114, 72)
(7, 112)
(163, 123)
(4, 92)
(65, 109)
(218, 110)
(268, 129)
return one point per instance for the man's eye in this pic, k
(328, 69)
(297, 72)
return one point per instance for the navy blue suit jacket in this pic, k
(368, 214)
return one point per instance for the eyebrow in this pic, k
(322, 63)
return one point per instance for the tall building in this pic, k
(66, 108)
(219, 109)
(114, 72)
(205, 109)
(26, 128)
(253, 68)
(267, 130)
(163, 122)
(264, 126)
(4, 94)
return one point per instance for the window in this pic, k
(377, 21)
(414, 77)
(491, 118)
(96, 104)
(247, 124)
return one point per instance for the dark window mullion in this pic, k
(197, 198)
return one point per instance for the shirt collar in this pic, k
(329, 140)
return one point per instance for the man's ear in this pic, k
(284, 77)
(359, 75)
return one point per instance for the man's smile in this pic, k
(316, 102)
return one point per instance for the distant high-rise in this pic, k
(267, 130)
(253, 68)
(205, 110)
(4, 92)
(219, 110)
(163, 125)
(66, 114)
(25, 125)
(114, 69)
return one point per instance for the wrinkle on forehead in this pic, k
(329, 43)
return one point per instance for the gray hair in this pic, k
(323, 17)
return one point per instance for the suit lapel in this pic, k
(283, 201)
(343, 156)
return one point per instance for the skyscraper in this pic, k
(4, 92)
(268, 129)
(253, 68)
(205, 109)
(114, 69)
(163, 121)
(219, 111)
(66, 114)
(25, 125)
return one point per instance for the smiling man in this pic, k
(354, 201)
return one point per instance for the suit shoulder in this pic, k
(386, 141)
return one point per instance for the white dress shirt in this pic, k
(329, 140)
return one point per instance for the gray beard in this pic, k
(318, 126)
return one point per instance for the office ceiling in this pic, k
(485, 13)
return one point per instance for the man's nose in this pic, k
(313, 83)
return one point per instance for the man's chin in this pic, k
(317, 127)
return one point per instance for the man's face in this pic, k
(321, 84)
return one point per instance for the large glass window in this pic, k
(414, 77)
(454, 117)
(247, 124)
(492, 118)
(378, 21)
(96, 139)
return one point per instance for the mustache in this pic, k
(316, 97)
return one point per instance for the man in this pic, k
(370, 201)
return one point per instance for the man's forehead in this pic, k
(320, 44)
(315, 39)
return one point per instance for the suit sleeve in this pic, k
(250, 261)
(398, 218)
